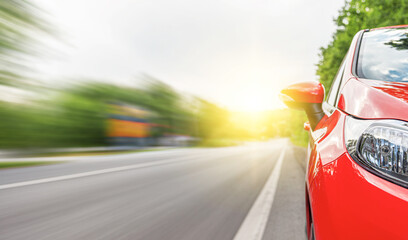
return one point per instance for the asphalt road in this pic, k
(193, 193)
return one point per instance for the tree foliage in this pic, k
(20, 24)
(356, 15)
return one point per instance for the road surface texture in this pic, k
(254, 191)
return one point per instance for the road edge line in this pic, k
(254, 224)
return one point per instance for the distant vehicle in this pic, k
(357, 171)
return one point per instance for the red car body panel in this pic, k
(345, 201)
(375, 99)
(351, 203)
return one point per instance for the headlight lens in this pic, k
(379, 145)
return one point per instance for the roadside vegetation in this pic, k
(4, 165)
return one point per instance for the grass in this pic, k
(91, 153)
(24, 164)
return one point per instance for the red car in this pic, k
(357, 171)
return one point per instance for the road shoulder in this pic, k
(287, 217)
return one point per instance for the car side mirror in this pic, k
(306, 96)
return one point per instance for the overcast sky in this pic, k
(237, 53)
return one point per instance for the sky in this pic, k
(236, 53)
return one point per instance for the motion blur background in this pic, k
(174, 73)
(194, 83)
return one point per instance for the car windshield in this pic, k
(384, 55)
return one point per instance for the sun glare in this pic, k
(258, 102)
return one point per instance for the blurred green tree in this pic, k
(20, 24)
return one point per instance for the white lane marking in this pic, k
(253, 227)
(86, 174)
(108, 170)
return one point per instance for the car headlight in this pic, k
(381, 146)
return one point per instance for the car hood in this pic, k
(366, 98)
